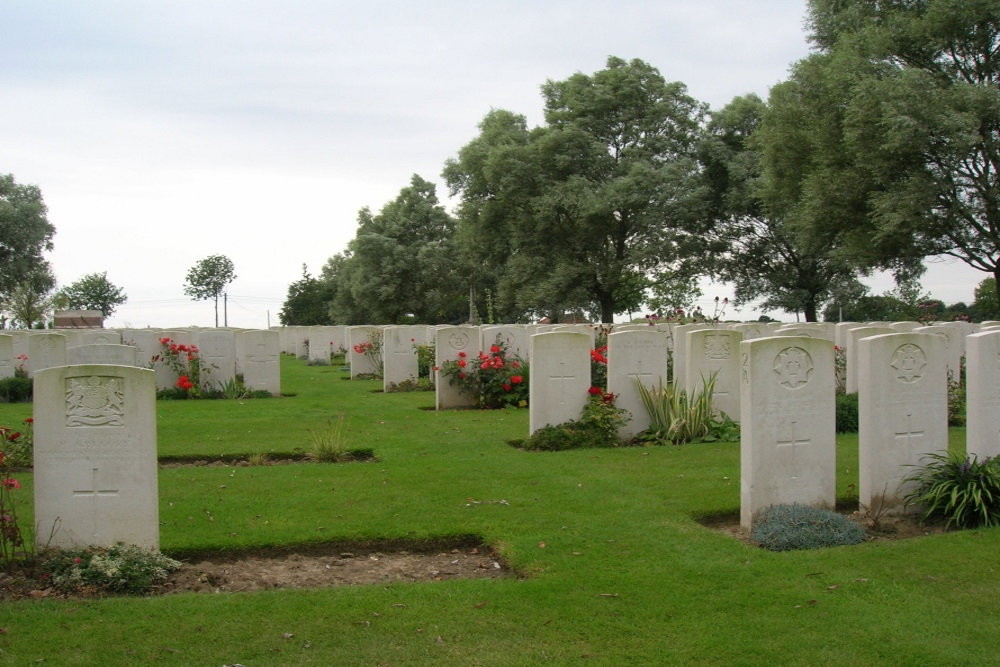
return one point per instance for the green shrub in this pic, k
(961, 489)
(570, 435)
(15, 390)
(118, 569)
(847, 413)
(787, 527)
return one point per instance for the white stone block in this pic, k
(559, 371)
(902, 410)
(788, 443)
(95, 456)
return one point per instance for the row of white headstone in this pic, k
(95, 479)
(785, 387)
(224, 353)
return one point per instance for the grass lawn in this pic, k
(617, 569)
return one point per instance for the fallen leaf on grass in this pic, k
(607, 595)
(287, 635)
(480, 605)
(541, 545)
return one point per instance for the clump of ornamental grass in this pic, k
(960, 489)
(122, 568)
(788, 527)
(677, 417)
(328, 444)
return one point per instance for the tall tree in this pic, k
(920, 126)
(208, 279)
(753, 246)
(401, 264)
(598, 205)
(308, 302)
(94, 292)
(25, 232)
(29, 302)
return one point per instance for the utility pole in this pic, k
(225, 309)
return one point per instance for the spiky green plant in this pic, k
(674, 415)
(961, 489)
(328, 444)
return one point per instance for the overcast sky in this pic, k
(164, 132)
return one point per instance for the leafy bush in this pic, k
(569, 435)
(787, 527)
(961, 489)
(118, 569)
(16, 390)
(597, 427)
(847, 413)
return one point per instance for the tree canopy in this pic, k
(401, 265)
(29, 303)
(593, 209)
(208, 278)
(25, 232)
(308, 302)
(753, 245)
(94, 292)
(910, 101)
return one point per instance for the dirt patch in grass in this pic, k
(318, 566)
(882, 528)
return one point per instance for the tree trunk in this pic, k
(607, 309)
(809, 309)
(996, 278)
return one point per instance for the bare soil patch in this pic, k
(312, 567)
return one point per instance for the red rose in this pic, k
(461, 363)
(461, 355)
(495, 349)
(517, 379)
(461, 376)
(595, 391)
(506, 387)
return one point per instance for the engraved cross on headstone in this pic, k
(638, 375)
(793, 443)
(562, 388)
(909, 435)
(94, 492)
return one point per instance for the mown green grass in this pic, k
(616, 568)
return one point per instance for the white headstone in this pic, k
(559, 377)
(361, 363)
(680, 347)
(45, 350)
(217, 348)
(851, 338)
(954, 348)
(715, 351)
(902, 412)
(258, 355)
(514, 338)
(95, 456)
(638, 355)
(982, 411)
(450, 344)
(788, 443)
(7, 362)
(106, 353)
(399, 356)
(100, 337)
